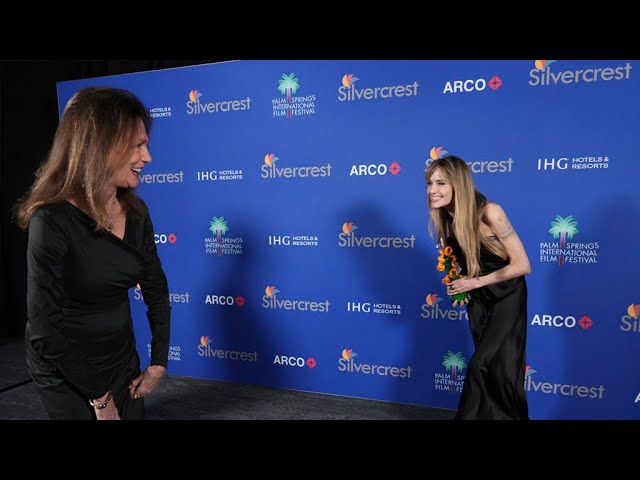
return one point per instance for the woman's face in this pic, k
(439, 190)
(138, 155)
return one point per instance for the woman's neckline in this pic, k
(93, 222)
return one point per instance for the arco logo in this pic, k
(291, 361)
(372, 169)
(229, 300)
(472, 85)
(561, 321)
(164, 238)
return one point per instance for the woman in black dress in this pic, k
(493, 264)
(90, 240)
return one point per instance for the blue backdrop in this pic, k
(289, 205)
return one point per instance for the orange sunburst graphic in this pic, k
(271, 291)
(205, 341)
(432, 299)
(437, 152)
(348, 353)
(349, 79)
(194, 95)
(349, 227)
(542, 64)
(270, 159)
(634, 310)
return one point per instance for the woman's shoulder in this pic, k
(56, 212)
(137, 205)
(50, 219)
(492, 211)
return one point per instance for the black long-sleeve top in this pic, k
(77, 293)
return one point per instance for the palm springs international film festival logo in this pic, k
(433, 308)
(348, 238)
(196, 106)
(543, 75)
(630, 322)
(348, 92)
(348, 364)
(452, 379)
(271, 171)
(221, 243)
(271, 301)
(564, 252)
(289, 105)
(564, 389)
(206, 350)
(481, 166)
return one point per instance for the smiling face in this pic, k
(137, 153)
(439, 190)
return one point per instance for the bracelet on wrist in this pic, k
(100, 406)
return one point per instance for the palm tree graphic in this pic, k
(219, 227)
(287, 85)
(563, 228)
(454, 361)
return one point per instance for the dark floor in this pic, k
(183, 398)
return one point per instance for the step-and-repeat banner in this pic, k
(290, 211)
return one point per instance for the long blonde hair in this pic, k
(92, 141)
(468, 207)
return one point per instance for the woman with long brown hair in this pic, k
(90, 240)
(493, 264)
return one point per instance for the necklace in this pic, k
(113, 212)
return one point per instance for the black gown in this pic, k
(493, 388)
(79, 335)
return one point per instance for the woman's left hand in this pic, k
(462, 285)
(147, 381)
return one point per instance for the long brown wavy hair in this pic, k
(94, 139)
(468, 207)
